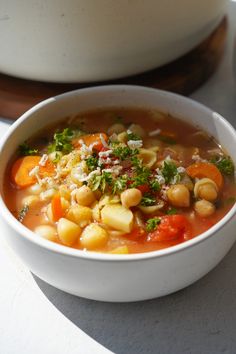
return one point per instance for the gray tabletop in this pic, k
(198, 319)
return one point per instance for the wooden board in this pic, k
(183, 75)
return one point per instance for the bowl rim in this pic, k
(50, 246)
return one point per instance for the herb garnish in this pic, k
(133, 136)
(62, 141)
(171, 211)
(224, 164)
(124, 152)
(148, 199)
(120, 184)
(92, 162)
(154, 185)
(26, 150)
(170, 173)
(23, 213)
(102, 181)
(152, 224)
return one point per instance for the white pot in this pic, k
(89, 40)
(118, 277)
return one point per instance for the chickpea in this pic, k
(93, 236)
(46, 231)
(115, 129)
(79, 214)
(85, 196)
(68, 231)
(204, 208)
(130, 197)
(96, 213)
(179, 195)
(208, 192)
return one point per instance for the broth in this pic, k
(150, 181)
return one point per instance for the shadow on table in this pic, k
(198, 319)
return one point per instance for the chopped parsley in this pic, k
(26, 150)
(152, 224)
(154, 185)
(124, 152)
(23, 213)
(224, 164)
(148, 199)
(141, 173)
(171, 211)
(133, 136)
(102, 181)
(57, 157)
(92, 162)
(170, 173)
(120, 184)
(136, 162)
(141, 177)
(62, 141)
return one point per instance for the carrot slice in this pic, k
(57, 211)
(20, 172)
(92, 139)
(205, 169)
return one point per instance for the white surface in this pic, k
(29, 323)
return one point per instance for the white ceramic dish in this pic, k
(118, 277)
(90, 40)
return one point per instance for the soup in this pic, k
(120, 181)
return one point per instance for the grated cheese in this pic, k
(34, 171)
(180, 169)
(104, 143)
(135, 144)
(43, 160)
(105, 153)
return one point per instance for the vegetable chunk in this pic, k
(20, 172)
(205, 169)
(68, 231)
(117, 217)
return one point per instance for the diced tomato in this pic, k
(138, 234)
(144, 188)
(171, 227)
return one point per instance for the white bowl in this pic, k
(118, 277)
(90, 40)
